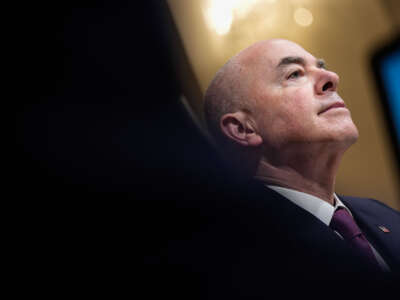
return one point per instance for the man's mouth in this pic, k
(339, 104)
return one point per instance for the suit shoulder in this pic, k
(368, 204)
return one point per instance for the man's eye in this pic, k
(295, 74)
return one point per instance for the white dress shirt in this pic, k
(322, 210)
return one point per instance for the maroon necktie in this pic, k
(344, 224)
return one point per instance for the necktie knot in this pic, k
(343, 223)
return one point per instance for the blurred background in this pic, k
(345, 33)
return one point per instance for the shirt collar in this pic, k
(317, 207)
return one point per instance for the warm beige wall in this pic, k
(344, 33)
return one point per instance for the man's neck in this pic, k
(314, 175)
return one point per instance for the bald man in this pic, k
(276, 115)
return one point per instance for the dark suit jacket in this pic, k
(370, 214)
(255, 242)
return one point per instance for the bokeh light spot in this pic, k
(303, 17)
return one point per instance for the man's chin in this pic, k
(350, 136)
(342, 137)
(346, 131)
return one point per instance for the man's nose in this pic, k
(326, 82)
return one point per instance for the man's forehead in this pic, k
(273, 51)
(282, 50)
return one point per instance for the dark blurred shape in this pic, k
(110, 168)
(386, 67)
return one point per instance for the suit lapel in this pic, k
(314, 236)
(373, 219)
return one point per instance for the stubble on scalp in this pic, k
(227, 93)
(234, 86)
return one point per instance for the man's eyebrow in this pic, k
(291, 60)
(299, 61)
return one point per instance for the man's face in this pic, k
(294, 96)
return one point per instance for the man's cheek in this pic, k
(301, 100)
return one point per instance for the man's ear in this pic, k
(237, 127)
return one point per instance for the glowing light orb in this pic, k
(303, 17)
(220, 14)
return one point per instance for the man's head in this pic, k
(276, 96)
